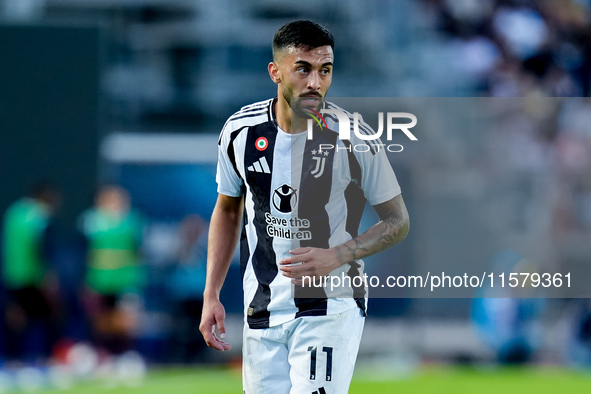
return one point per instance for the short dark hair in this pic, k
(301, 34)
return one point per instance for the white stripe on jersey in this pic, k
(284, 170)
(249, 281)
(259, 104)
(250, 115)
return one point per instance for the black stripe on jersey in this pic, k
(263, 257)
(270, 112)
(235, 117)
(231, 153)
(354, 196)
(250, 115)
(355, 200)
(244, 249)
(313, 196)
(358, 291)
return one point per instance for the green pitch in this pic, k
(434, 380)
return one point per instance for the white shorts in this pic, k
(307, 355)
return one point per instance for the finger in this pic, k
(295, 272)
(299, 251)
(286, 269)
(221, 345)
(211, 340)
(292, 261)
(218, 344)
(287, 274)
(221, 325)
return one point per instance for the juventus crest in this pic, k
(319, 157)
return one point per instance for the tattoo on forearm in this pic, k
(391, 230)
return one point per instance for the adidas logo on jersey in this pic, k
(261, 166)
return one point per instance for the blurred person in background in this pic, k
(114, 278)
(186, 285)
(578, 316)
(513, 48)
(508, 319)
(28, 274)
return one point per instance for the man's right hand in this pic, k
(214, 316)
(224, 230)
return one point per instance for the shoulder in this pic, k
(249, 115)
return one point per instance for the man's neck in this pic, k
(286, 120)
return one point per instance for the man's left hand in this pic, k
(309, 262)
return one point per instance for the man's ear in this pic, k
(274, 72)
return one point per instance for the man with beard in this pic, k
(301, 206)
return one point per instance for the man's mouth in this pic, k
(310, 100)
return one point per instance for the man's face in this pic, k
(304, 77)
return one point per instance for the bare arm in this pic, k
(390, 230)
(223, 235)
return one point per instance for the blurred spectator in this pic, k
(186, 286)
(579, 341)
(521, 29)
(28, 274)
(506, 318)
(114, 276)
(532, 44)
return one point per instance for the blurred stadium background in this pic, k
(134, 93)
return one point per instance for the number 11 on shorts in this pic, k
(313, 353)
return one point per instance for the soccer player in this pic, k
(28, 273)
(301, 207)
(113, 232)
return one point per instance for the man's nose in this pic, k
(314, 81)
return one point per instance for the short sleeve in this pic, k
(378, 180)
(228, 180)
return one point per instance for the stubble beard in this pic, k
(296, 107)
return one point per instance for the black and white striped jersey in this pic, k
(297, 194)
